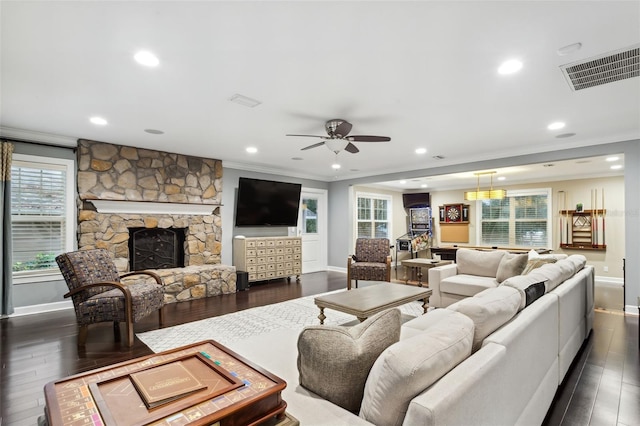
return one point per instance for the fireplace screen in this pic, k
(156, 248)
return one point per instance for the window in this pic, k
(42, 215)
(373, 216)
(522, 219)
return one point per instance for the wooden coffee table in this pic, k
(366, 301)
(106, 396)
(419, 263)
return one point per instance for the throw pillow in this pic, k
(334, 362)
(408, 367)
(536, 263)
(478, 262)
(511, 265)
(489, 310)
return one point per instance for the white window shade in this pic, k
(41, 213)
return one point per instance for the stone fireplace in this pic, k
(125, 191)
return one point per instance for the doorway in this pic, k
(312, 228)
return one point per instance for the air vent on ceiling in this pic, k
(603, 69)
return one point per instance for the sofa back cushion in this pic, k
(531, 287)
(511, 264)
(489, 310)
(408, 367)
(334, 362)
(477, 262)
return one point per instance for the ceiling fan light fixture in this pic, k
(336, 145)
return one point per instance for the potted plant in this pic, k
(579, 207)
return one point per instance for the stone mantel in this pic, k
(144, 207)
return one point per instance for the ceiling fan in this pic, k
(338, 139)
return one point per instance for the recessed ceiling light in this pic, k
(616, 167)
(421, 150)
(501, 178)
(565, 135)
(424, 185)
(566, 50)
(252, 150)
(146, 58)
(613, 158)
(335, 166)
(98, 120)
(556, 125)
(509, 67)
(402, 182)
(154, 131)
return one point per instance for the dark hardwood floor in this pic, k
(602, 388)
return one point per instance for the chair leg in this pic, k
(356, 283)
(129, 334)
(82, 334)
(116, 331)
(160, 317)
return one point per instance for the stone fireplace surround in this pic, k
(140, 188)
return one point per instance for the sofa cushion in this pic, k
(466, 285)
(530, 286)
(408, 367)
(334, 362)
(578, 261)
(489, 310)
(422, 323)
(478, 262)
(537, 262)
(511, 264)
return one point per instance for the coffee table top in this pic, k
(366, 301)
(423, 262)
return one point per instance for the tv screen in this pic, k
(415, 199)
(267, 203)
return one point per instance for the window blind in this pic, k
(38, 215)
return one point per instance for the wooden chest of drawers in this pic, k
(266, 258)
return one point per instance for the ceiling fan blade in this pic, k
(351, 148)
(309, 136)
(364, 138)
(343, 129)
(312, 146)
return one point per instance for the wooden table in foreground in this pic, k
(366, 301)
(237, 393)
(419, 263)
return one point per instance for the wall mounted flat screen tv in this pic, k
(267, 203)
(415, 200)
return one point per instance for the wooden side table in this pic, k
(419, 263)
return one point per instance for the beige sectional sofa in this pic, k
(493, 358)
(475, 271)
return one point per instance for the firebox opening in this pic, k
(156, 248)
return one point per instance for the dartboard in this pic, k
(453, 213)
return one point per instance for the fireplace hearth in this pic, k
(156, 248)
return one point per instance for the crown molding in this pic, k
(34, 136)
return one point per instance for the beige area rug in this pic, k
(291, 315)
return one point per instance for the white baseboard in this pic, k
(336, 269)
(603, 281)
(38, 309)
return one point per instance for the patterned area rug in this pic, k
(293, 315)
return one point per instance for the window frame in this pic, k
(27, 277)
(372, 196)
(512, 220)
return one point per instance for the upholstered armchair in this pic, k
(371, 261)
(98, 294)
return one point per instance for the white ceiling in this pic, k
(422, 73)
